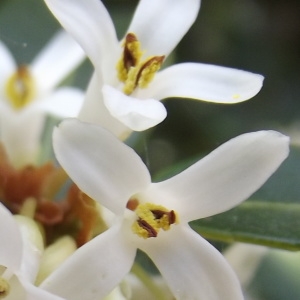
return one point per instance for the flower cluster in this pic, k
(100, 206)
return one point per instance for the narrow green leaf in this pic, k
(270, 224)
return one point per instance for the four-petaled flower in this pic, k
(154, 216)
(19, 259)
(27, 93)
(124, 91)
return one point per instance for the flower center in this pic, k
(152, 218)
(20, 88)
(131, 70)
(4, 288)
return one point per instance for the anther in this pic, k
(151, 218)
(158, 214)
(131, 51)
(132, 71)
(145, 225)
(148, 70)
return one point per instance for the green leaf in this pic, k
(258, 222)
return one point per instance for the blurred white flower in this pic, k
(20, 251)
(154, 216)
(293, 131)
(244, 260)
(27, 93)
(126, 72)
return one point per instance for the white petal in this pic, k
(11, 241)
(225, 177)
(192, 268)
(20, 134)
(244, 260)
(64, 102)
(17, 290)
(135, 113)
(116, 294)
(36, 293)
(94, 111)
(104, 168)
(204, 82)
(7, 67)
(32, 247)
(57, 60)
(95, 268)
(91, 26)
(161, 24)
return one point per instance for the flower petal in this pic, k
(91, 26)
(34, 293)
(161, 24)
(11, 241)
(16, 289)
(244, 260)
(95, 268)
(116, 294)
(204, 82)
(94, 111)
(33, 246)
(104, 168)
(64, 102)
(135, 113)
(20, 134)
(7, 68)
(225, 177)
(57, 60)
(192, 268)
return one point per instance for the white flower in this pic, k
(154, 216)
(244, 260)
(19, 260)
(126, 71)
(27, 93)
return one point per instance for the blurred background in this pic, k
(262, 36)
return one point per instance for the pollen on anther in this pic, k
(151, 219)
(131, 70)
(148, 70)
(150, 230)
(130, 57)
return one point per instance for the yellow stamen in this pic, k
(131, 71)
(148, 70)
(130, 83)
(152, 218)
(20, 88)
(131, 56)
(4, 288)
